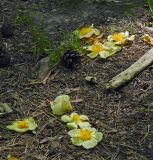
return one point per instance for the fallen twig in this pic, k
(46, 78)
(131, 72)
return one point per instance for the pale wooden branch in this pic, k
(150, 29)
(131, 72)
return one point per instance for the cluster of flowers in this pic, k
(80, 132)
(96, 45)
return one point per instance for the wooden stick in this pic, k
(131, 72)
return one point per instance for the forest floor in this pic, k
(127, 128)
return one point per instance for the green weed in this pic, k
(112, 28)
(41, 44)
(150, 4)
(146, 109)
(69, 41)
(44, 46)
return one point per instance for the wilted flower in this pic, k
(10, 157)
(104, 50)
(24, 125)
(121, 38)
(148, 39)
(86, 137)
(87, 32)
(61, 104)
(75, 120)
(93, 39)
(112, 49)
(96, 49)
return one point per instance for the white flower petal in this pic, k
(92, 55)
(131, 38)
(84, 117)
(87, 35)
(104, 54)
(96, 32)
(126, 33)
(89, 48)
(72, 125)
(89, 144)
(109, 38)
(98, 136)
(65, 118)
(84, 124)
(76, 141)
(73, 133)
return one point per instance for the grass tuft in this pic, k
(150, 4)
(42, 45)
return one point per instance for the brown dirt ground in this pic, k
(128, 131)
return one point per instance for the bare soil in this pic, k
(127, 128)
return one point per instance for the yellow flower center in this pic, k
(119, 37)
(85, 134)
(85, 31)
(76, 118)
(96, 48)
(23, 124)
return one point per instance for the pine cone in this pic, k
(70, 59)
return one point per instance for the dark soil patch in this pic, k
(128, 131)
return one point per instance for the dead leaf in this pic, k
(148, 39)
(5, 109)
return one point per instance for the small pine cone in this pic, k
(70, 59)
(7, 30)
